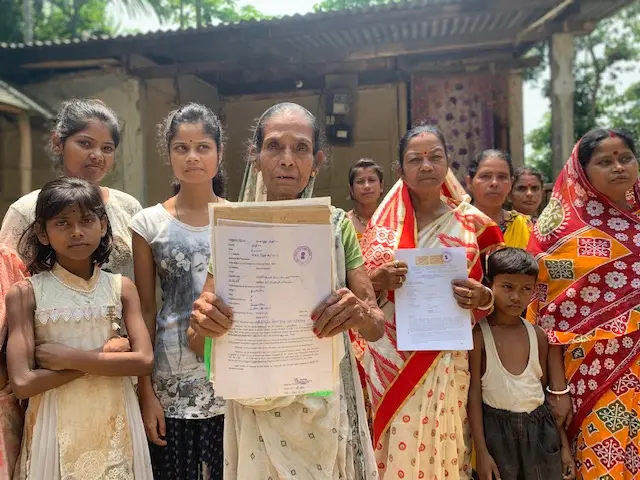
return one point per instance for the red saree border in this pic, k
(418, 365)
(399, 209)
(415, 369)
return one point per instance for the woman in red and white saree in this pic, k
(587, 242)
(419, 399)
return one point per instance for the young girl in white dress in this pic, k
(64, 351)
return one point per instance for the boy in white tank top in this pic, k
(514, 430)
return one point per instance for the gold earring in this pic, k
(313, 174)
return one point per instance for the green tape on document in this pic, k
(326, 393)
(207, 355)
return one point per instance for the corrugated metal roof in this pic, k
(489, 21)
(415, 30)
(436, 27)
(589, 10)
(393, 29)
(13, 97)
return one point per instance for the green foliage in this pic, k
(184, 12)
(329, 5)
(69, 19)
(540, 141)
(10, 28)
(55, 19)
(64, 19)
(627, 113)
(601, 58)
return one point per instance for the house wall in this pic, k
(143, 104)
(10, 158)
(380, 120)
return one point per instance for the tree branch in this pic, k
(73, 20)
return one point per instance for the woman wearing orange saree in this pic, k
(587, 242)
(419, 399)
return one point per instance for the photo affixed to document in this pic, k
(272, 278)
(427, 314)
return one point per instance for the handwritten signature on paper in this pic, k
(301, 381)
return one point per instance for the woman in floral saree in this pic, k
(587, 243)
(419, 399)
(304, 437)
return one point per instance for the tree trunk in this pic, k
(27, 21)
(198, 14)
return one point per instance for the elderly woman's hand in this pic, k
(339, 312)
(389, 276)
(210, 317)
(471, 294)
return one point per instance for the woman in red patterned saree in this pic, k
(587, 243)
(419, 399)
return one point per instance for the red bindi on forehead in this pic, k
(425, 153)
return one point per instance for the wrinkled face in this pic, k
(512, 292)
(613, 169)
(193, 154)
(367, 187)
(88, 154)
(286, 159)
(526, 194)
(74, 234)
(425, 164)
(491, 183)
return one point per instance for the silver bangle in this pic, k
(559, 392)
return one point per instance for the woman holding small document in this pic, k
(311, 437)
(419, 398)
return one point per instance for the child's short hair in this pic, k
(512, 261)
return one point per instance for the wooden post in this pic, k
(563, 88)
(26, 160)
(516, 118)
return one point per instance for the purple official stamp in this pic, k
(302, 255)
(446, 256)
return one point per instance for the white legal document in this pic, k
(427, 314)
(273, 278)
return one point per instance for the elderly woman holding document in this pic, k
(419, 399)
(306, 437)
